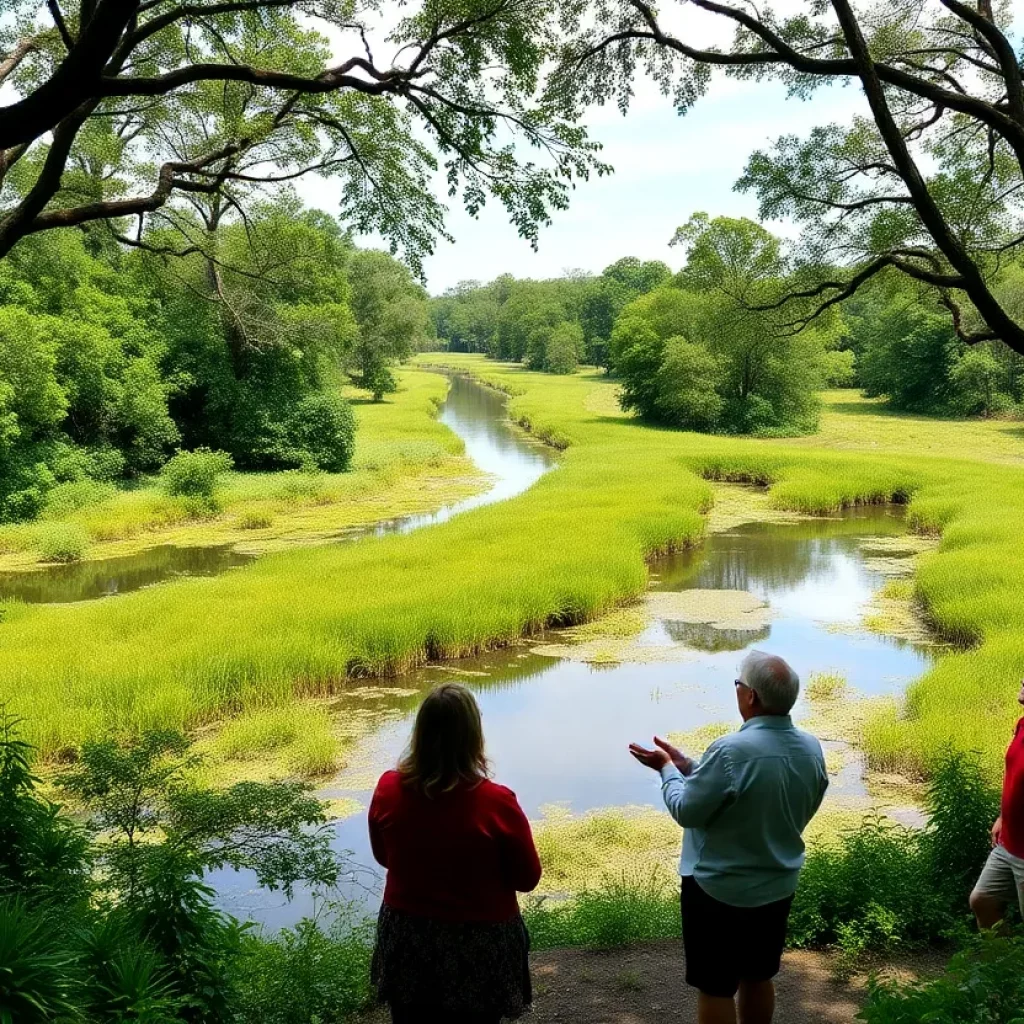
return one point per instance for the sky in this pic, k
(666, 167)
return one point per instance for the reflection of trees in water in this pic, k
(703, 637)
(772, 556)
(87, 580)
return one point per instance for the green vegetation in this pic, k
(62, 542)
(285, 627)
(982, 984)
(907, 350)
(300, 737)
(108, 361)
(872, 886)
(105, 917)
(549, 325)
(404, 462)
(193, 476)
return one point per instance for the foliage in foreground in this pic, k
(111, 921)
(983, 984)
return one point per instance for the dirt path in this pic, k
(644, 984)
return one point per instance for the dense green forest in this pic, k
(110, 360)
(711, 348)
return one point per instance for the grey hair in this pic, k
(771, 678)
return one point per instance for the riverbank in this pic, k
(571, 548)
(406, 463)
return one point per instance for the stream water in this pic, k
(475, 413)
(557, 728)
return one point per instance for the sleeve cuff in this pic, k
(670, 771)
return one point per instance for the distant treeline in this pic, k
(233, 337)
(714, 347)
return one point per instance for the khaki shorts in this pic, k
(1002, 878)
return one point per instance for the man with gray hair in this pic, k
(744, 808)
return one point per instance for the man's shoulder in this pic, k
(768, 742)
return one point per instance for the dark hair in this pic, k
(447, 745)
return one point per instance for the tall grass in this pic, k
(570, 548)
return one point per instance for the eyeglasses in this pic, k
(739, 682)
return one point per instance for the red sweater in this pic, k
(1013, 795)
(461, 856)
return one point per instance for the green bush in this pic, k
(883, 886)
(62, 542)
(983, 984)
(67, 498)
(305, 974)
(194, 475)
(253, 519)
(629, 908)
(324, 429)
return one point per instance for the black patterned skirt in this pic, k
(453, 968)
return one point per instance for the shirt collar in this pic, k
(768, 722)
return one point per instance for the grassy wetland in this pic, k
(405, 463)
(299, 623)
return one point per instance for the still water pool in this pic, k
(557, 728)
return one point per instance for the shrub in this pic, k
(39, 978)
(67, 498)
(977, 378)
(564, 348)
(983, 984)
(194, 475)
(323, 428)
(62, 542)
(305, 974)
(840, 368)
(254, 519)
(627, 908)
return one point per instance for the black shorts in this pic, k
(725, 945)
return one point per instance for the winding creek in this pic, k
(558, 726)
(475, 413)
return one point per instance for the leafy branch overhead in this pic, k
(927, 183)
(123, 107)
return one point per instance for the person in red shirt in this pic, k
(451, 946)
(1002, 879)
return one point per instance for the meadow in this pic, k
(571, 548)
(405, 463)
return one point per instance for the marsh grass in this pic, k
(825, 686)
(298, 738)
(568, 550)
(62, 542)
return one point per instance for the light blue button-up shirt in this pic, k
(744, 809)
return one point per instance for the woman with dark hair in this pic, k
(451, 944)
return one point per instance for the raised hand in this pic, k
(656, 759)
(675, 755)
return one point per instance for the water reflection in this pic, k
(85, 581)
(557, 730)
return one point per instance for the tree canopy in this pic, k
(130, 108)
(929, 184)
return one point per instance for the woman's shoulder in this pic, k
(389, 782)
(495, 792)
